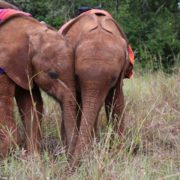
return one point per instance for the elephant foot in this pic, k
(33, 148)
(75, 161)
(74, 164)
(70, 169)
(25, 155)
(4, 149)
(71, 148)
(7, 141)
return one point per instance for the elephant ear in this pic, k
(16, 62)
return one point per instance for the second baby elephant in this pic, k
(33, 56)
(101, 64)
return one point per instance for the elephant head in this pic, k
(33, 55)
(101, 63)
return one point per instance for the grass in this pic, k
(151, 148)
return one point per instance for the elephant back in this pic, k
(89, 21)
(66, 27)
(88, 25)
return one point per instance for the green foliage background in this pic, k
(152, 27)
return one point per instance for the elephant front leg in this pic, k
(31, 107)
(69, 130)
(8, 130)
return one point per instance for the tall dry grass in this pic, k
(151, 148)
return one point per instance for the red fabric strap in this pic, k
(7, 13)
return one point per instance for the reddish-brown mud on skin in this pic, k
(37, 57)
(9, 136)
(100, 58)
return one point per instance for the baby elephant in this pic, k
(103, 58)
(33, 56)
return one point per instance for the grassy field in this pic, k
(151, 148)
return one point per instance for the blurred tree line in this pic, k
(152, 27)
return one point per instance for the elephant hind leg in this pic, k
(30, 107)
(8, 130)
(63, 134)
(109, 105)
(114, 106)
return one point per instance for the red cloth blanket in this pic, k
(5, 14)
